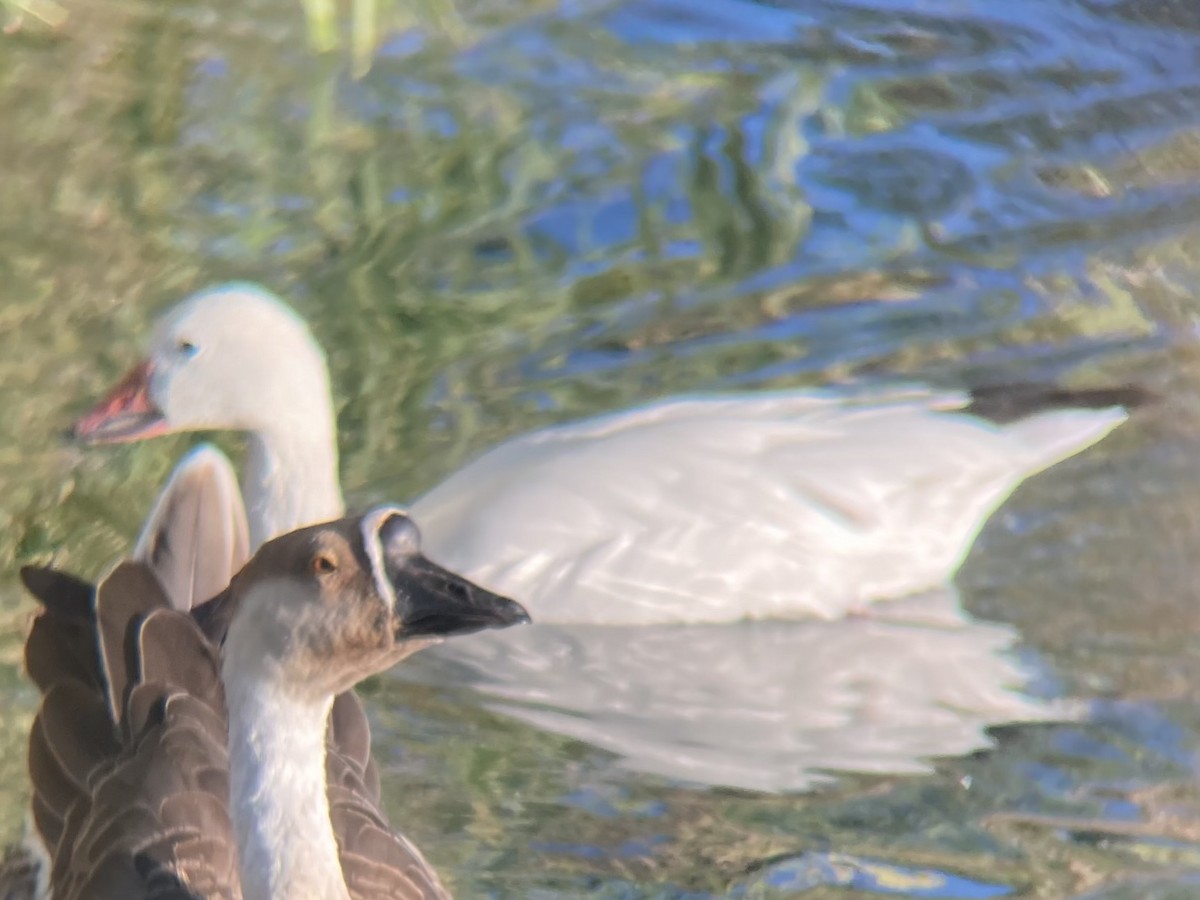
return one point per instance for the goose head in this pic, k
(319, 609)
(230, 357)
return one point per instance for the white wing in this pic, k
(196, 538)
(764, 505)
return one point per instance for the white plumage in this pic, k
(792, 504)
(789, 504)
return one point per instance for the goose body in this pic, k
(701, 509)
(218, 750)
(778, 505)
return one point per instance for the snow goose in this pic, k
(704, 509)
(219, 751)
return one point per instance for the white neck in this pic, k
(286, 846)
(291, 477)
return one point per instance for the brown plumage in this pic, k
(128, 752)
(133, 801)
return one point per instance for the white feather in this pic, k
(705, 510)
(791, 504)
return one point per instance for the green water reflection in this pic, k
(526, 213)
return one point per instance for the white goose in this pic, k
(791, 504)
(219, 751)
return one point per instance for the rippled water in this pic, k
(525, 213)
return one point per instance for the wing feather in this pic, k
(128, 754)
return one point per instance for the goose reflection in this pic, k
(766, 706)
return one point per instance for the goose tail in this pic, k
(1050, 437)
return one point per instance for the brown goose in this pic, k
(219, 751)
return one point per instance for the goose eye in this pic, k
(323, 564)
(186, 348)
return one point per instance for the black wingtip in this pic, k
(1009, 402)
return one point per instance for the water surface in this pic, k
(526, 213)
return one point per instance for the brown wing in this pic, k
(62, 642)
(377, 863)
(128, 762)
(128, 753)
